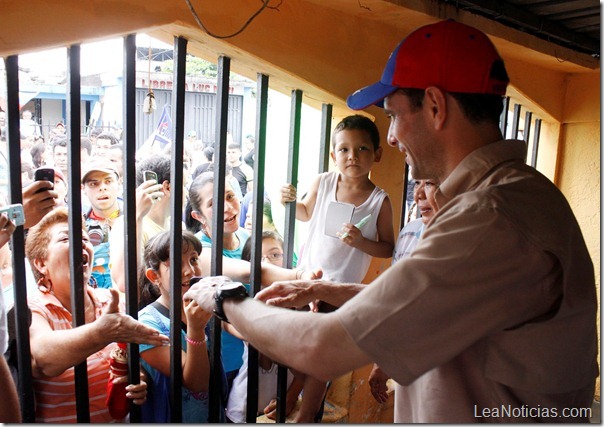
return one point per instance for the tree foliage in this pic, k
(195, 67)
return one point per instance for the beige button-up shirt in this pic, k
(494, 313)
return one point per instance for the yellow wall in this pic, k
(579, 162)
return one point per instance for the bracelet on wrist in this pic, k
(299, 274)
(196, 342)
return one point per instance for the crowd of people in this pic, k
(48, 281)
(489, 301)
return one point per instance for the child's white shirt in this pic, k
(339, 262)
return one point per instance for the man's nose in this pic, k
(391, 140)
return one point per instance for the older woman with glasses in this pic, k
(56, 346)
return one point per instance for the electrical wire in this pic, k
(203, 27)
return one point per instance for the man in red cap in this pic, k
(493, 317)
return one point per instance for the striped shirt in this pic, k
(55, 397)
(407, 239)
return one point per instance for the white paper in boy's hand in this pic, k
(337, 214)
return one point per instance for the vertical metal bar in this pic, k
(325, 143)
(404, 210)
(257, 220)
(527, 130)
(21, 312)
(74, 196)
(528, 117)
(516, 121)
(176, 185)
(503, 121)
(290, 219)
(536, 138)
(222, 103)
(129, 213)
(292, 175)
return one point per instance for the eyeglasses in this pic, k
(272, 257)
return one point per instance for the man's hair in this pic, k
(86, 144)
(36, 153)
(208, 152)
(358, 122)
(477, 107)
(158, 163)
(234, 146)
(96, 132)
(59, 141)
(111, 137)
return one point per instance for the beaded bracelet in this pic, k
(196, 342)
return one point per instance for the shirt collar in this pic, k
(476, 165)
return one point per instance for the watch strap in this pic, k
(224, 293)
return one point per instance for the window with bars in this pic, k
(221, 117)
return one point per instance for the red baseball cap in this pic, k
(449, 55)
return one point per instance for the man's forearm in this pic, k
(336, 294)
(303, 340)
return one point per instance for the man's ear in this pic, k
(378, 155)
(435, 101)
(165, 186)
(152, 275)
(333, 156)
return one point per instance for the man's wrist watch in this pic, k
(224, 291)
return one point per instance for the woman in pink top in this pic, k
(56, 347)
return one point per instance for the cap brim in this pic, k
(370, 95)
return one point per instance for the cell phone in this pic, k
(15, 213)
(150, 175)
(45, 174)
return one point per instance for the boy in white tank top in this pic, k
(345, 258)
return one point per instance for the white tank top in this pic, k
(339, 262)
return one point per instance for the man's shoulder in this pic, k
(246, 169)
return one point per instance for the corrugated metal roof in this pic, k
(573, 24)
